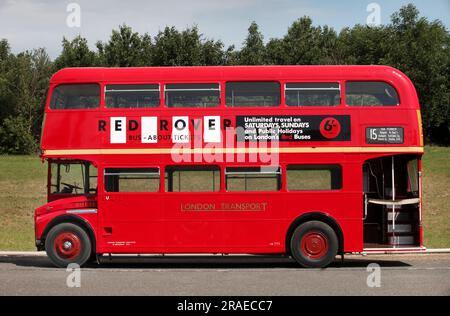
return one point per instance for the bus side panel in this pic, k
(352, 231)
(235, 222)
(343, 208)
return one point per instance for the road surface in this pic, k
(426, 274)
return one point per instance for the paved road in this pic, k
(427, 274)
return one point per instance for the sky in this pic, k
(29, 24)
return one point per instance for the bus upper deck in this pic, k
(111, 110)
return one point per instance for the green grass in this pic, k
(436, 191)
(23, 188)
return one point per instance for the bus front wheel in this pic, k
(314, 244)
(68, 243)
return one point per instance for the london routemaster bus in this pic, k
(304, 161)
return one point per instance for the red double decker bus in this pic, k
(305, 161)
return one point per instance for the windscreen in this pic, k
(73, 178)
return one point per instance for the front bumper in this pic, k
(40, 245)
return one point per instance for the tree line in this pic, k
(418, 47)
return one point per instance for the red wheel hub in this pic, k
(314, 245)
(67, 245)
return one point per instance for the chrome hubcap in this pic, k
(67, 245)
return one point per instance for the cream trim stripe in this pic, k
(419, 122)
(282, 150)
(83, 211)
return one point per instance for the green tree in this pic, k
(301, 43)
(186, 48)
(6, 95)
(363, 45)
(124, 49)
(15, 137)
(305, 44)
(25, 80)
(253, 51)
(275, 53)
(167, 50)
(421, 49)
(4, 50)
(213, 53)
(147, 49)
(76, 53)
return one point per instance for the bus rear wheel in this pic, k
(68, 243)
(314, 244)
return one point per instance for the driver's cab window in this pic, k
(73, 178)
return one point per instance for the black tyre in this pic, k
(68, 243)
(314, 244)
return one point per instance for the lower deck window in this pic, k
(192, 179)
(314, 177)
(132, 180)
(253, 179)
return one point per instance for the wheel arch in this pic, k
(76, 220)
(315, 216)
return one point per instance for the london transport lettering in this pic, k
(255, 206)
(183, 129)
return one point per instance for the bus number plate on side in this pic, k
(384, 135)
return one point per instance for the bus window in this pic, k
(75, 96)
(413, 177)
(132, 96)
(192, 179)
(313, 177)
(73, 178)
(253, 179)
(132, 180)
(370, 93)
(312, 94)
(93, 179)
(198, 95)
(252, 94)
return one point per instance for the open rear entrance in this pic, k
(392, 202)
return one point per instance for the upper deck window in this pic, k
(75, 96)
(370, 93)
(252, 94)
(198, 95)
(132, 95)
(313, 94)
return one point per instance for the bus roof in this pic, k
(236, 73)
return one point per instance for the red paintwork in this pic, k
(153, 222)
(314, 245)
(62, 250)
